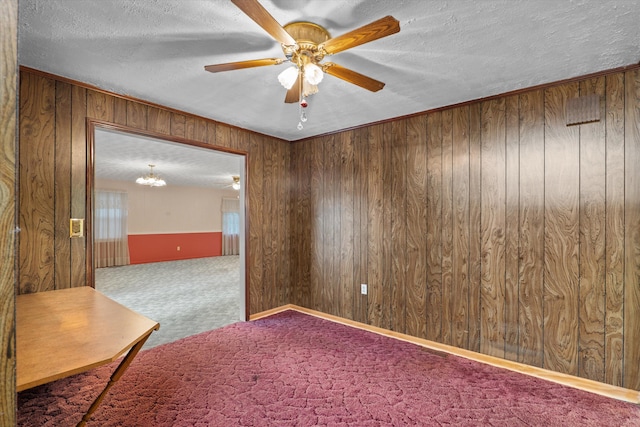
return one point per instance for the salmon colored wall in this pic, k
(145, 248)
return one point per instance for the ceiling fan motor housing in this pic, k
(308, 37)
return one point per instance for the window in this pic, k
(111, 245)
(230, 227)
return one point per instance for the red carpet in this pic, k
(292, 369)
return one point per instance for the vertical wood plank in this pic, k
(178, 124)
(211, 132)
(358, 276)
(296, 236)
(158, 120)
(269, 211)
(416, 290)
(232, 141)
(329, 206)
(62, 185)
(254, 192)
(361, 219)
(632, 224)
(136, 115)
(375, 224)
(300, 230)
(119, 111)
(561, 233)
(475, 255)
(317, 230)
(283, 258)
(434, 226)
(243, 138)
(460, 235)
(614, 230)
(346, 234)
(591, 305)
(387, 223)
(100, 106)
(8, 221)
(196, 129)
(398, 225)
(78, 183)
(223, 136)
(36, 193)
(284, 226)
(512, 235)
(447, 226)
(493, 228)
(531, 216)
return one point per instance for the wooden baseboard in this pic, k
(591, 386)
(273, 311)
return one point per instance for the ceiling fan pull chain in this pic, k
(300, 96)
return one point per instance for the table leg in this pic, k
(122, 367)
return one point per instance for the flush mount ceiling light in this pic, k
(305, 45)
(151, 179)
(236, 182)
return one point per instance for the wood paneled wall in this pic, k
(491, 226)
(53, 168)
(8, 102)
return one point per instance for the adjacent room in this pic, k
(167, 223)
(437, 220)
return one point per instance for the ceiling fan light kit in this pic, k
(236, 182)
(288, 77)
(305, 45)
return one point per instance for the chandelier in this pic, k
(151, 179)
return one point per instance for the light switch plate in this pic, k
(76, 227)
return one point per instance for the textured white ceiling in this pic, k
(446, 52)
(123, 157)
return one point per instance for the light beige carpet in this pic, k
(187, 297)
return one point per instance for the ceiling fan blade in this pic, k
(293, 94)
(381, 28)
(243, 64)
(254, 10)
(352, 77)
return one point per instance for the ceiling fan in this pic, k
(305, 45)
(235, 183)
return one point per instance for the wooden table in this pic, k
(68, 331)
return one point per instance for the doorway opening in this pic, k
(176, 272)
